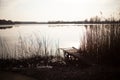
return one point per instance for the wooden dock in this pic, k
(73, 55)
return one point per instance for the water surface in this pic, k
(60, 35)
(29, 39)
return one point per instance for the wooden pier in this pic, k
(74, 56)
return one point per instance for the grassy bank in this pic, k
(30, 53)
(102, 44)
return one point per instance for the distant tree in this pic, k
(3, 21)
(86, 20)
(91, 20)
(97, 19)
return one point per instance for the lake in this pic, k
(61, 35)
(22, 39)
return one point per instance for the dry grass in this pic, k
(102, 43)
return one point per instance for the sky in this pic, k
(52, 10)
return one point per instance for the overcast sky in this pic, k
(48, 10)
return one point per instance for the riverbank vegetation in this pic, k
(100, 45)
(28, 55)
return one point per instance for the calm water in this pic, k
(28, 39)
(60, 36)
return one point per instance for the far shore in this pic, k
(61, 22)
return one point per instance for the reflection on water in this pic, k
(67, 36)
(55, 37)
(5, 26)
(35, 39)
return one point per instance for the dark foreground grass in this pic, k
(96, 72)
(13, 76)
(31, 62)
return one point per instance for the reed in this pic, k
(102, 43)
(29, 52)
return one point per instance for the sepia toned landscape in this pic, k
(59, 40)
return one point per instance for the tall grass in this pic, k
(4, 49)
(102, 43)
(28, 52)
